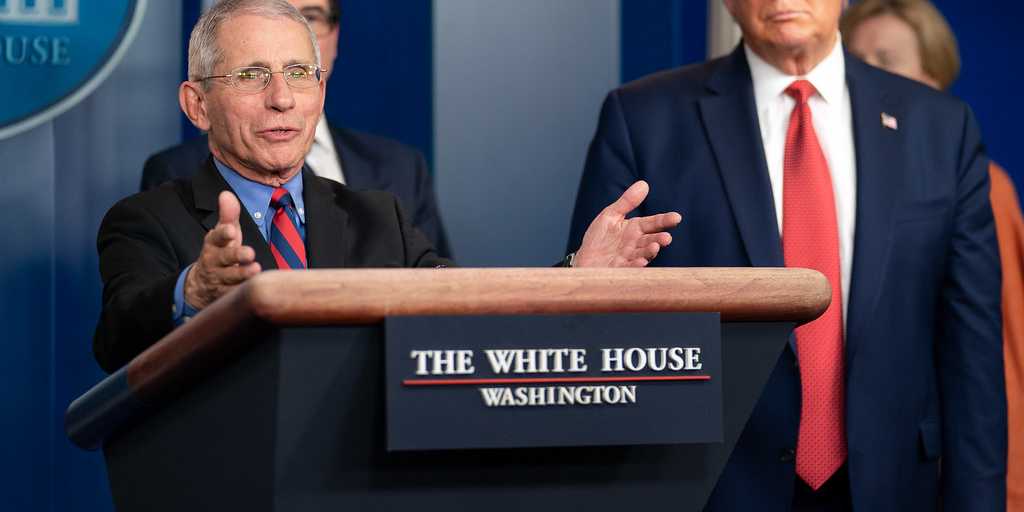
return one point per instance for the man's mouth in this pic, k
(279, 133)
(783, 16)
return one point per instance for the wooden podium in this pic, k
(273, 397)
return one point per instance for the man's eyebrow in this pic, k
(263, 64)
(256, 64)
(306, 11)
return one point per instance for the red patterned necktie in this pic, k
(286, 240)
(810, 239)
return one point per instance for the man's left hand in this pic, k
(612, 240)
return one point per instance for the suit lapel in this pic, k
(325, 223)
(360, 173)
(730, 118)
(879, 166)
(206, 186)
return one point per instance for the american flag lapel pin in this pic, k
(889, 122)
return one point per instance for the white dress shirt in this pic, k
(833, 123)
(322, 156)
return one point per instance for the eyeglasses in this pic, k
(256, 78)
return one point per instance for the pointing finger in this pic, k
(637, 262)
(230, 256)
(649, 251)
(659, 222)
(228, 208)
(237, 274)
(223, 235)
(245, 255)
(661, 239)
(630, 199)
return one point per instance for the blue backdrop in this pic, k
(662, 34)
(58, 180)
(384, 83)
(990, 40)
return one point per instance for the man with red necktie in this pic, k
(357, 159)
(789, 152)
(256, 86)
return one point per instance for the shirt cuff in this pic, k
(182, 311)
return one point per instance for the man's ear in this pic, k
(193, 103)
(730, 7)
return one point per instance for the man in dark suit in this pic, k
(360, 160)
(255, 86)
(789, 152)
(369, 162)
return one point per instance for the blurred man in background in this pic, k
(789, 152)
(359, 160)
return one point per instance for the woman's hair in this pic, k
(940, 57)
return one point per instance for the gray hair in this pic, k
(203, 51)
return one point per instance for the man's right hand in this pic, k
(224, 262)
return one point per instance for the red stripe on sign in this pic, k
(550, 380)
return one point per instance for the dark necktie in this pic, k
(286, 233)
(810, 239)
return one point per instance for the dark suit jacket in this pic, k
(146, 240)
(369, 162)
(924, 373)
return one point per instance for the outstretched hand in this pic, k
(223, 262)
(612, 240)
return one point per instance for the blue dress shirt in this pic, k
(255, 198)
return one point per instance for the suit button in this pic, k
(788, 455)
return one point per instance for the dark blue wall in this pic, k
(661, 34)
(384, 82)
(26, 402)
(991, 42)
(190, 11)
(58, 180)
(62, 177)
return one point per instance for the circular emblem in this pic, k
(53, 53)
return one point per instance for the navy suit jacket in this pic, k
(924, 369)
(369, 162)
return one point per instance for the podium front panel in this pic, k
(299, 423)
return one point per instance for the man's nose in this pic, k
(279, 93)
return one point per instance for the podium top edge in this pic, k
(324, 297)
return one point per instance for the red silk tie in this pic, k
(810, 239)
(286, 240)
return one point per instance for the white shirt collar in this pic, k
(322, 135)
(828, 77)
